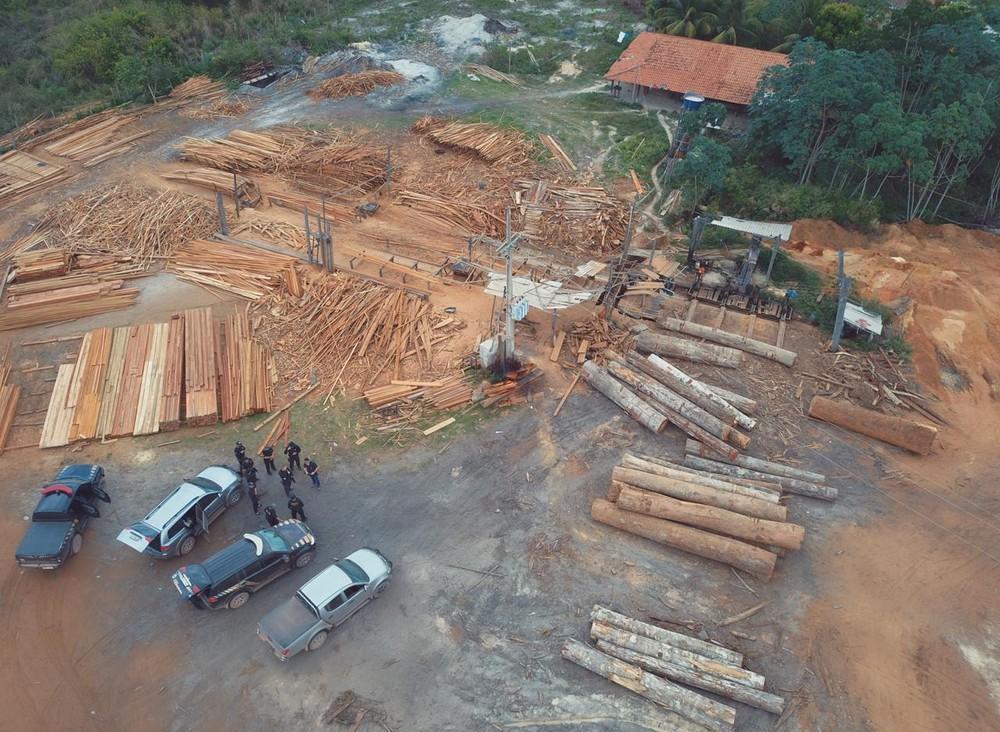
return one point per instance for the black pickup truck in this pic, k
(63, 512)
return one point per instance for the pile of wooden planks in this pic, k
(246, 271)
(235, 106)
(142, 379)
(199, 88)
(22, 173)
(41, 264)
(94, 139)
(300, 202)
(450, 213)
(284, 234)
(453, 392)
(489, 72)
(9, 395)
(355, 85)
(241, 150)
(229, 184)
(491, 143)
(558, 154)
(582, 219)
(653, 662)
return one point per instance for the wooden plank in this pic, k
(557, 346)
(780, 342)
(147, 416)
(58, 417)
(110, 393)
(439, 426)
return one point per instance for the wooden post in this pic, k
(686, 703)
(745, 461)
(637, 408)
(754, 560)
(220, 209)
(843, 288)
(757, 348)
(710, 518)
(909, 435)
(684, 385)
(664, 345)
(789, 485)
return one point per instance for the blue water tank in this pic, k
(693, 101)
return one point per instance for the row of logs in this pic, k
(653, 662)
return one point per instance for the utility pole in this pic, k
(843, 288)
(220, 208)
(507, 250)
(775, 248)
(619, 266)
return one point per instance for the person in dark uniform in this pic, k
(292, 451)
(272, 516)
(285, 474)
(249, 467)
(240, 452)
(254, 495)
(297, 507)
(268, 455)
(312, 470)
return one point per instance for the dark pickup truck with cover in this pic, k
(63, 512)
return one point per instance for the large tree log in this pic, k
(665, 345)
(684, 659)
(693, 447)
(758, 348)
(754, 560)
(913, 436)
(672, 400)
(684, 702)
(678, 640)
(636, 407)
(723, 687)
(744, 404)
(769, 491)
(682, 490)
(709, 480)
(673, 378)
(719, 520)
(789, 485)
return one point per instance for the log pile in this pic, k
(355, 85)
(143, 379)
(579, 219)
(248, 272)
(489, 142)
(213, 180)
(730, 340)
(22, 173)
(665, 667)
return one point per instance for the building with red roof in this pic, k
(655, 63)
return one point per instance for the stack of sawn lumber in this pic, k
(9, 394)
(491, 143)
(355, 85)
(442, 394)
(653, 662)
(249, 272)
(142, 379)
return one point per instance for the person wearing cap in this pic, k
(312, 470)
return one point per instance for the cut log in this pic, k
(719, 520)
(744, 404)
(677, 640)
(751, 559)
(638, 409)
(636, 462)
(664, 345)
(757, 348)
(673, 378)
(684, 659)
(789, 485)
(683, 702)
(769, 490)
(756, 698)
(672, 400)
(694, 447)
(913, 436)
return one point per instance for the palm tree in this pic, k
(691, 18)
(797, 20)
(737, 24)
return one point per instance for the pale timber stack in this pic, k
(9, 395)
(143, 379)
(660, 665)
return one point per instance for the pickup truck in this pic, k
(304, 621)
(63, 512)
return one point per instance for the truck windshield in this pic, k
(273, 540)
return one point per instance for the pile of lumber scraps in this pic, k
(242, 151)
(508, 391)
(244, 369)
(348, 164)
(558, 154)
(246, 271)
(381, 396)
(355, 85)
(94, 139)
(278, 232)
(732, 521)
(199, 88)
(453, 214)
(300, 202)
(41, 264)
(235, 106)
(278, 434)
(22, 173)
(488, 72)
(229, 184)
(590, 339)
(653, 662)
(453, 392)
(9, 395)
(41, 306)
(491, 143)
(582, 219)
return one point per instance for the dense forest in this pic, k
(882, 112)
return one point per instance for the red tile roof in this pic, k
(714, 70)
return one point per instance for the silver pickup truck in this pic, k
(305, 620)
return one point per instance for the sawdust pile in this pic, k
(941, 280)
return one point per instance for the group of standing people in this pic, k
(248, 471)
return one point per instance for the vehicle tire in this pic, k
(317, 641)
(235, 497)
(76, 543)
(303, 559)
(186, 545)
(379, 589)
(238, 600)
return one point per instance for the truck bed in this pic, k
(44, 542)
(287, 622)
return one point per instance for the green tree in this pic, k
(788, 21)
(702, 172)
(840, 25)
(690, 18)
(737, 24)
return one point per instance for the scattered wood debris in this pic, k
(355, 85)
(235, 106)
(22, 173)
(229, 184)
(248, 272)
(199, 88)
(93, 139)
(584, 219)
(558, 154)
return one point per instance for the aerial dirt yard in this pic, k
(882, 620)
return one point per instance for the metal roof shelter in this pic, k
(863, 319)
(764, 229)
